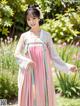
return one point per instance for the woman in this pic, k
(35, 80)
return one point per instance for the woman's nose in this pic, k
(32, 21)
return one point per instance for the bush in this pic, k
(64, 27)
(8, 70)
(52, 7)
(8, 84)
(69, 85)
(6, 56)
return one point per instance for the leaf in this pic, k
(72, 88)
(5, 31)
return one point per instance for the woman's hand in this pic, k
(31, 63)
(73, 68)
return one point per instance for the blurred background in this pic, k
(59, 17)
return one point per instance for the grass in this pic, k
(62, 101)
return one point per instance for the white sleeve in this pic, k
(21, 60)
(57, 61)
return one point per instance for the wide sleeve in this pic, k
(56, 59)
(21, 60)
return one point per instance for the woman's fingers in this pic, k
(31, 63)
(73, 68)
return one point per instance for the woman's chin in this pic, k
(33, 26)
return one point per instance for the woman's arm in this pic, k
(58, 62)
(22, 60)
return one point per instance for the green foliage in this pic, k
(8, 70)
(5, 17)
(12, 13)
(62, 101)
(69, 84)
(52, 7)
(8, 84)
(12, 16)
(6, 53)
(65, 27)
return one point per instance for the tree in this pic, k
(11, 16)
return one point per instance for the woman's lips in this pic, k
(33, 24)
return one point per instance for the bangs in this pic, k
(31, 13)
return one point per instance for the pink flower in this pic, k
(64, 44)
(77, 44)
(78, 57)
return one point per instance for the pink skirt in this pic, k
(35, 83)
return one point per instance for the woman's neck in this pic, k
(36, 30)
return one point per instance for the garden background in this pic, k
(62, 19)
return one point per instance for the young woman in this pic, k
(35, 86)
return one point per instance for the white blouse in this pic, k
(45, 37)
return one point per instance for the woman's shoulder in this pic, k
(45, 32)
(46, 35)
(25, 35)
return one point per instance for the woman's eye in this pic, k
(34, 18)
(28, 19)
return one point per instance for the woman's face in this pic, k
(33, 22)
